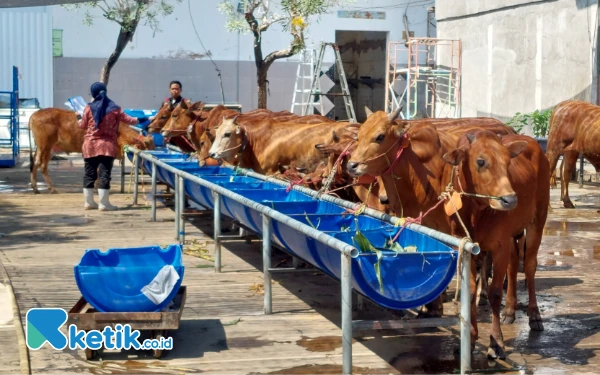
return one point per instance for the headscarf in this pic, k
(101, 104)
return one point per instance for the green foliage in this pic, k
(292, 15)
(127, 13)
(539, 120)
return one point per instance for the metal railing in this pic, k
(347, 252)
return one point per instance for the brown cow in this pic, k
(513, 172)
(409, 157)
(58, 129)
(264, 147)
(574, 129)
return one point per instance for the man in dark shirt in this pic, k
(175, 88)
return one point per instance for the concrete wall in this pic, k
(518, 55)
(144, 83)
(141, 76)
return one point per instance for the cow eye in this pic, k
(228, 134)
(480, 163)
(201, 144)
(380, 137)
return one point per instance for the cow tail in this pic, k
(31, 154)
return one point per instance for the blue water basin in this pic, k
(114, 281)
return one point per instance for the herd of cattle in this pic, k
(468, 177)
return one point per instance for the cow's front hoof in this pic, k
(568, 204)
(53, 191)
(495, 351)
(535, 320)
(36, 191)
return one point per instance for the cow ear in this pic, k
(368, 111)
(183, 104)
(197, 106)
(400, 129)
(515, 148)
(470, 137)
(234, 120)
(335, 136)
(454, 157)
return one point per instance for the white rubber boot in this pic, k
(88, 193)
(104, 203)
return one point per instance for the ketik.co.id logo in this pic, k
(44, 324)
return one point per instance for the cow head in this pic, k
(229, 140)
(162, 117)
(204, 146)
(378, 140)
(484, 160)
(181, 118)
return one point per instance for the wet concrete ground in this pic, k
(567, 284)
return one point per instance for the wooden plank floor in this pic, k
(223, 328)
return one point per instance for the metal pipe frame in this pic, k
(347, 252)
(154, 173)
(123, 174)
(177, 208)
(180, 218)
(136, 175)
(217, 231)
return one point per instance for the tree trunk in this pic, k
(261, 80)
(124, 38)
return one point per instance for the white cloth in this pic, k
(161, 286)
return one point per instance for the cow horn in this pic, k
(499, 135)
(471, 138)
(368, 111)
(392, 116)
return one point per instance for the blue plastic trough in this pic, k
(408, 279)
(114, 281)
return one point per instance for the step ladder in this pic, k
(9, 137)
(304, 76)
(316, 87)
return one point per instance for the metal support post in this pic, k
(177, 208)
(136, 174)
(266, 226)
(346, 276)
(217, 231)
(295, 262)
(465, 314)
(123, 174)
(181, 197)
(153, 192)
(580, 170)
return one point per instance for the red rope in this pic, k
(418, 220)
(297, 182)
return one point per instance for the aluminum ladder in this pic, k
(315, 88)
(11, 158)
(305, 71)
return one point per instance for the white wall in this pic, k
(519, 56)
(178, 35)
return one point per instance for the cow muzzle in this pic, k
(508, 202)
(354, 169)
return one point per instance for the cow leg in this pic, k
(434, 309)
(511, 291)
(484, 274)
(33, 173)
(569, 160)
(473, 290)
(533, 240)
(501, 258)
(43, 159)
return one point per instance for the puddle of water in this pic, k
(555, 227)
(328, 369)
(321, 343)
